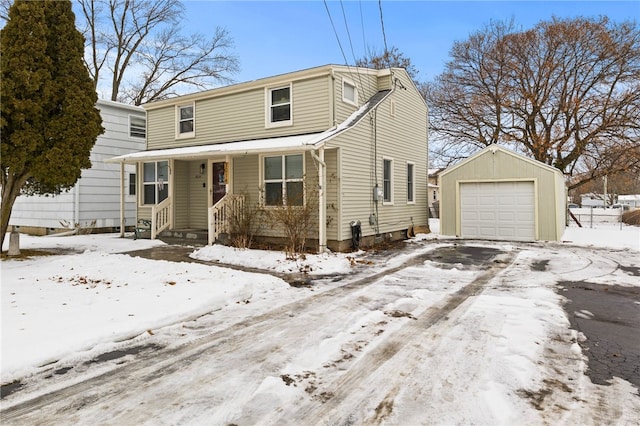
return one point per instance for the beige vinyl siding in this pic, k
(366, 85)
(333, 212)
(197, 196)
(504, 166)
(402, 138)
(181, 194)
(241, 116)
(246, 181)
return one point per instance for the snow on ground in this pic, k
(57, 306)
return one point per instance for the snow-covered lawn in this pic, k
(78, 304)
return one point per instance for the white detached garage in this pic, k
(500, 195)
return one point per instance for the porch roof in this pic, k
(286, 143)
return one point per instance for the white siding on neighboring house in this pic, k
(96, 195)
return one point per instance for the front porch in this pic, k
(180, 192)
(220, 220)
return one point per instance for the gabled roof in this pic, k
(282, 144)
(495, 148)
(271, 81)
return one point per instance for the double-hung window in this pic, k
(279, 106)
(387, 180)
(283, 180)
(156, 182)
(137, 126)
(410, 183)
(186, 121)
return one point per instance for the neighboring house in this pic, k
(434, 192)
(351, 141)
(498, 194)
(95, 200)
(632, 200)
(592, 200)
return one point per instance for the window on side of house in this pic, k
(283, 180)
(155, 182)
(137, 126)
(349, 92)
(410, 183)
(387, 180)
(132, 184)
(186, 125)
(279, 106)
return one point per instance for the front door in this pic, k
(219, 182)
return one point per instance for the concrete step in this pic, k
(185, 236)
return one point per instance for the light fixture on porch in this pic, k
(202, 167)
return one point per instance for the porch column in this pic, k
(123, 220)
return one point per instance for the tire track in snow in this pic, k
(100, 386)
(352, 382)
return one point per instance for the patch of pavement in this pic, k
(609, 317)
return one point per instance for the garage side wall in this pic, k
(500, 165)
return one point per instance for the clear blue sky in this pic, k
(275, 37)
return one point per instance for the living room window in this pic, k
(186, 121)
(279, 106)
(156, 182)
(283, 180)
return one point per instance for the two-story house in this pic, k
(95, 202)
(354, 139)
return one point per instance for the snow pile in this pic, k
(277, 261)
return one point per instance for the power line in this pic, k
(346, 25)
(336, 33)
(384, 36)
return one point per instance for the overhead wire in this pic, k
(346, 25)
(384, 36)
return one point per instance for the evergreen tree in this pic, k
(49, 119)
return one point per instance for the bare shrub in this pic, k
(632, 217)
(244, 224)
(296, 219)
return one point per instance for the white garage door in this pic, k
(498, 210)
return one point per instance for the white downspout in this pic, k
(322, 201)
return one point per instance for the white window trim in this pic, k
(128, 170)
(187, 134)
(140, 188)
(413, 182)
(263, 182)
(355, 92)
(267, 106)
(145, 127)
(391, 183)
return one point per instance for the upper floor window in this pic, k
(283, 180)
(186, 121)
(279, 106)
(410, 183)
(137, 126)
(349, 92)
(387, 183)
(156, 182)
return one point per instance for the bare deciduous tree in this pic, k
(389, 58)
(566, 93)
(145, 52)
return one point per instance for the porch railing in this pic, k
(160, 217)
(221, 214)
